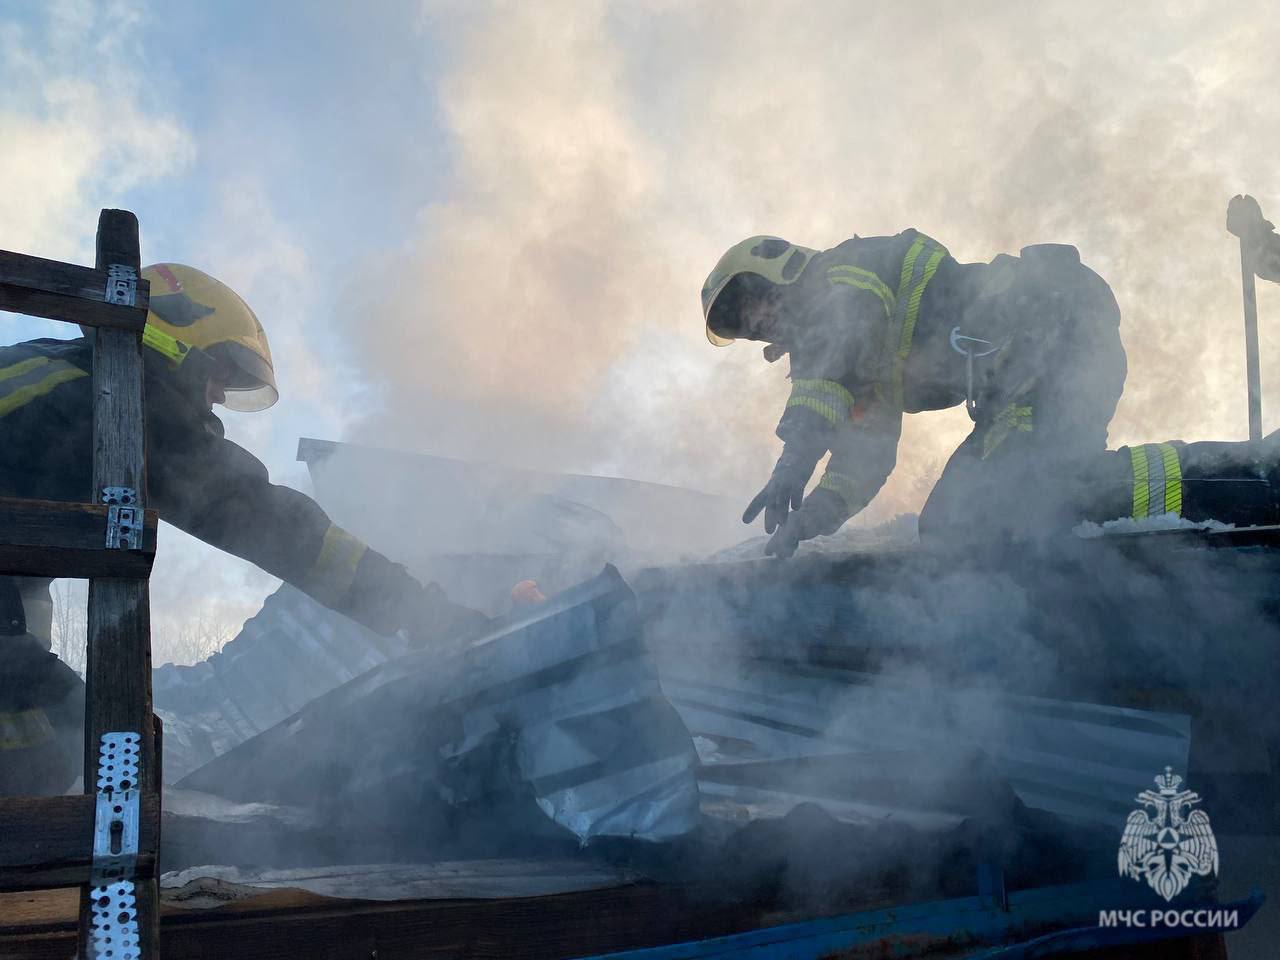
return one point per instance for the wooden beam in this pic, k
(296, 925)
(47, 538)
(66, 291)
(118, 664)
(47, 842)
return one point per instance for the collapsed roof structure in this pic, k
(709, 747)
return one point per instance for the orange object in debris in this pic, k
(526, 592)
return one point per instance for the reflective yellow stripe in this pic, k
(21, 397)
(909, 264)
(1013, 417)
(24, 728)
(1157, 480)
(847, 489)
(1140, 496)
(827, 398)
(334, 571)
(164, 344)
(831, 387)
(913, 278)
(828, 411)
(864, 280)
(909, 324)
(1172, 480)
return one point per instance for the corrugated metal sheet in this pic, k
(291, 652)
(1076, 760)
(563, 701)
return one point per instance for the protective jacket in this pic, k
(873, 326)
(200, 482)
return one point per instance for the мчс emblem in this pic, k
(1166, 841)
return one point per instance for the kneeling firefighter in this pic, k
(202, 346)
(881, 326)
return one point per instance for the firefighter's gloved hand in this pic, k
(785, 489)
(823, 513)
(1244, 218)
(437, 621)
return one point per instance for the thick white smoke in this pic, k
(605, 154)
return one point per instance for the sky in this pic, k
(478, 229)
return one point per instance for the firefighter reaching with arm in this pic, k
(202, 346)
(881, 326)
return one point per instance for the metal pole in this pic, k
(1252, 370)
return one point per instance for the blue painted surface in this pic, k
(1095, 937)
(920, 929)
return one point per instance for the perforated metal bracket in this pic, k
(122, 285)
(124, 518)
(115, 848)
(115, 922)
(115, 822)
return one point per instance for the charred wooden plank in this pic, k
(67, 291)
(47, 538)
(292, 925)
(47, 842)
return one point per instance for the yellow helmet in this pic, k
(776, 260)
(192, 314)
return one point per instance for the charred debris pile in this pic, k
(837, 730)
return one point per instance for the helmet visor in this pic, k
(252, 383)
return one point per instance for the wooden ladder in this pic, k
(106, 841)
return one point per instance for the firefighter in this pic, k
(202, 347)
(881, 326)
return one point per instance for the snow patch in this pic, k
(1128, 525)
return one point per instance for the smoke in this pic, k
(604, 155)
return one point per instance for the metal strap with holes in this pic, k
(115, 922)
(122, 285)
(124, 518)
(115, 849)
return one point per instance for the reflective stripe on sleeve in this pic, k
(1157, 480)
(1172, 479)
(848, 490)
(827, 398)
(331, 576)
(1138, 456)
(23, 382)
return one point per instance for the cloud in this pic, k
(81, 124)
(605, 154)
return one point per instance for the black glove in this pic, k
(823, 513)
(785, 489)
(435, 620)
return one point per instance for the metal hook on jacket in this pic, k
(969, 351)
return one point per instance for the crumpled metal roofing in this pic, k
(562, 701)
(288, 654)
